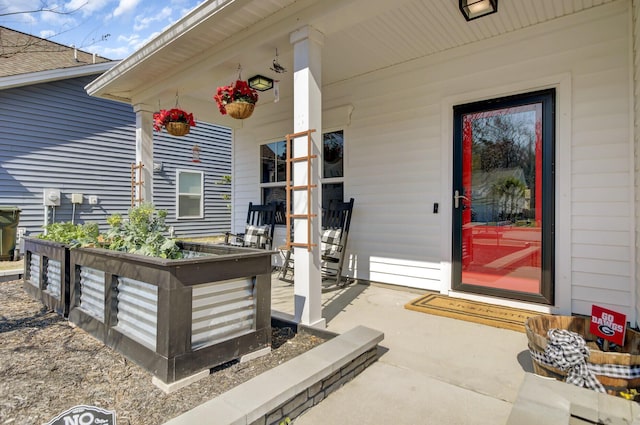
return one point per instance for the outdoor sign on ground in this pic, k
(85, 415)
(608, 324)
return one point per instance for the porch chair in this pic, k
(336, 221)
(258, 230)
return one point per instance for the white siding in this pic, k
(636, 79)
(395, 145)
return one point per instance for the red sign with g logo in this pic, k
(608, 324)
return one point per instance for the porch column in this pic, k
(307, 112)
(144, 149)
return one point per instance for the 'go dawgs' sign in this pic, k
(85, 415)
(608, 324)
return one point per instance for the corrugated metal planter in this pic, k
(46, 273)
(175, 317)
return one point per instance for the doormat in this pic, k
(472, 311)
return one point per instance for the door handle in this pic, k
(456, 199)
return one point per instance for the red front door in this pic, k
(503, 197)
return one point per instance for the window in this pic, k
(273, 171)
(332, 168)
(190, 194)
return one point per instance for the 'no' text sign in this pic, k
(608, 324)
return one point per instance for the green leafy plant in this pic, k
(143, 233)
(226, 181)
(73, 235)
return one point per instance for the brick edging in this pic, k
(317, 392)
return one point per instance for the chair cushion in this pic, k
(330, 242)
(256, 236)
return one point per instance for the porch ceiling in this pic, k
(203, 50)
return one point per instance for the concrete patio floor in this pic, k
(431, 369)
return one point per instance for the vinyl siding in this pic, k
(215, 162)
(636, 115)
(56, 136)
(395, 148)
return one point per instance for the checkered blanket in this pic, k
(568, 352)
(330, 242)
(608, 370)
(256, 236)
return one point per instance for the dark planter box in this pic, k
(46, 273)
(174, 317)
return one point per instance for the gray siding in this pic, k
(54, 135)
(215, 162)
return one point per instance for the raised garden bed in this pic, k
(46, 273)
(174, 317)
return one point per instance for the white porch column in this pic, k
(144, 148)
(307, 111)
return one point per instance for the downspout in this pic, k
(46, 218)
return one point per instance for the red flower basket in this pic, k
(237, 99)
(176, 121)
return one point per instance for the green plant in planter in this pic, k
(72, 235)
(142, 233)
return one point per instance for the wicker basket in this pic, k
(624, 377)
(177, 128)
(239, 110)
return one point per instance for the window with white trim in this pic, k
(273, 172)
(190, 194)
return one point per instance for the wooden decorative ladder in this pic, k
(290, 188)
(136, 184)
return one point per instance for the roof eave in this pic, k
(54, 75)
(103, 86)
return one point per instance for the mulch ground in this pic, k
(48, 366)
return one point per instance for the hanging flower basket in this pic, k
(239, 110)
(237, 100)
(176, 128)
(176, 121)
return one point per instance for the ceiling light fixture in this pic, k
(473, 9)
(260, 83)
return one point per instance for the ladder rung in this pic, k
(312, 186)
(302, 245)
(302, 215)
(302, 158)
(302, 133)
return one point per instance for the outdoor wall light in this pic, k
(195, 153)
(260, 82)
(473, 9)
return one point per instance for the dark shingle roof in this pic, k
(22, 53)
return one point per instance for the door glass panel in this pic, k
(501, 199)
